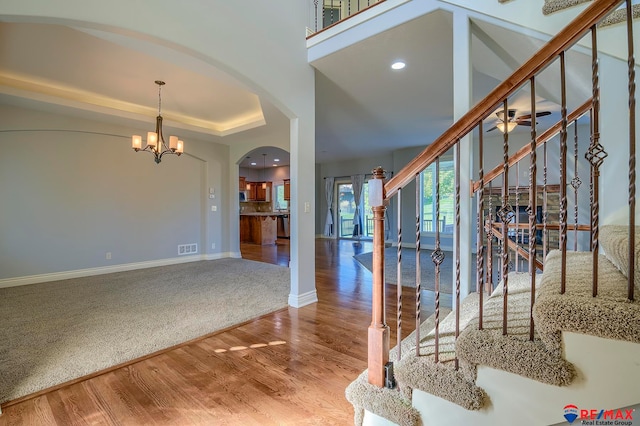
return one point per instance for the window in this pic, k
(280, 202)
(447, 198)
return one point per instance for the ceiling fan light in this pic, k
(510, 126)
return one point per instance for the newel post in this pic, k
(378, 331)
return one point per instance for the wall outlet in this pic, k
(214, 208)
(108, 256)
(307, 207)
(213, 246)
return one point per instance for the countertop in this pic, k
(282, 213)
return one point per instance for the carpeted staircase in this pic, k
(618, 16)
(609, 317)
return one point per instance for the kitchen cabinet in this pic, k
(242, 183)
(287, 189)
(251, 189)
(263, 194)
(255, 192)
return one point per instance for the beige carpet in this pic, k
(58, 331)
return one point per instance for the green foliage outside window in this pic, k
(447, 197)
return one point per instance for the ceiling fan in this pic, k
(512, 121)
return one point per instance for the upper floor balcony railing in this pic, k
(325, 13)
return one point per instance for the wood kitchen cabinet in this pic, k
(255, 192)
(251, 188)
(263, 194)
(242, 183)
(287, 189)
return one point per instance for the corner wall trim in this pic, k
(300, 300)
(65, 275)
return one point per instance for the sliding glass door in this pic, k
(346, 208)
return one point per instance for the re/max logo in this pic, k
(606, 414)
(598, 417)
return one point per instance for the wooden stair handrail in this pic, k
(525, 150)
(514, 246)
(566, 38)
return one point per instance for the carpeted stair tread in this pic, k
(387, 403)
(615, 17)
(614, 240)
(610, 315)
(390, 404)
(513, 352)
(441, 379)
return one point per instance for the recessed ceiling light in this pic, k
(276, 159)
(398, 65)
(253, 164)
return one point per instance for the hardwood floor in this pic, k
(287, 368)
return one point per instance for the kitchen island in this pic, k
(258, 228)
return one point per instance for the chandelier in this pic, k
(155, 141)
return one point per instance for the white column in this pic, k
(461, 104)
(303, 225)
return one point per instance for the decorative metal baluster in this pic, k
(480, 226)
(506, 215)
(545, 211)
(418, 281)
(575, 184)
(595, 155)
(489, 231)
(437, 256)
(632, 153)
(563, 176)
(517, 233)
(315, 8)
(590, 180)
(532, 208)
(457, 242)
(399, 277)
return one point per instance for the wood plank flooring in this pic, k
(286, 368)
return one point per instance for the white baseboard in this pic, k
(300, 300)
(216, 256)
(65, 275)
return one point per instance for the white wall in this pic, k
(70, 198)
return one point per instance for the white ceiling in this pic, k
(363, 108)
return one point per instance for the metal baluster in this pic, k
(545, 212)
(489, 231)
(563, 176)
(399, 276)
(516, 255)
(315, 8)
(437, 256)
(595, 155)
(418, 281)
(632, 153)
(506, 214)
(457, 242)
(575, 184)
(479, 225)
(532, 208)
